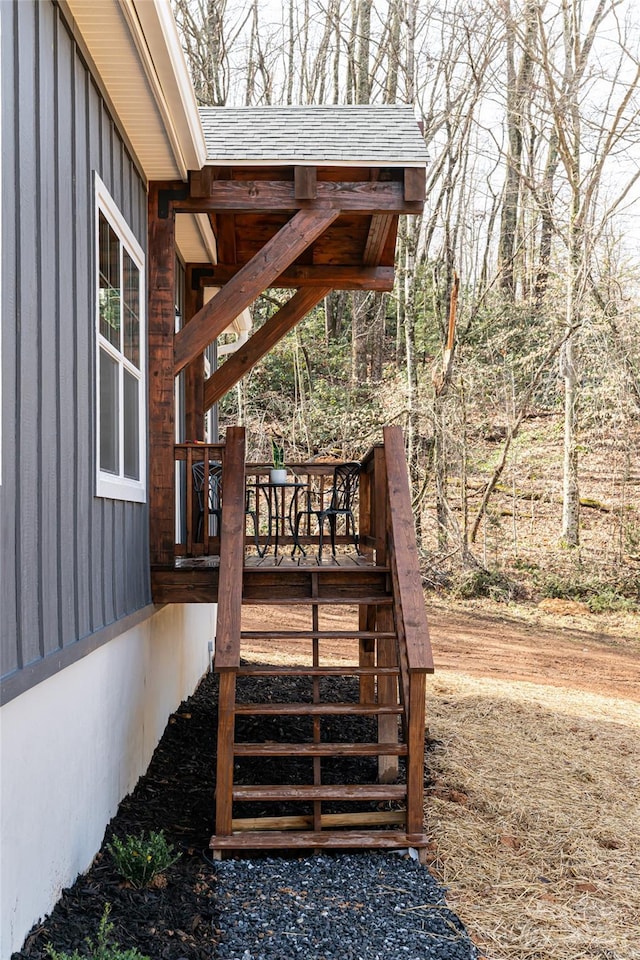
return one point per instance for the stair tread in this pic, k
(378, 600)
(266, 839)
(318, 709)
(299, 670)
(319, 749)
(316, 635)
(345, 570)
(329, 791)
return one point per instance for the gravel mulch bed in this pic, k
(374, 906)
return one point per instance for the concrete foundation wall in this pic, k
(74, 745)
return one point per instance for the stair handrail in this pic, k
(414, 647)
(403, 556)
(227, 652)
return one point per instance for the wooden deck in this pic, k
(269, 560)
(377, 572)
(197, 579)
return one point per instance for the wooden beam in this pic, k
(226, 237)
(306, 183)
(378, 233)
(194, 371)
(261, 342)
(200, 182)
(255, 196)
(317, 275)
(161, 326)
(254, 277)
(415, 184)
(227, 656)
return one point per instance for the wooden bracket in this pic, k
(415, 184)
(166, 196)
(251, 280)
(306, 183)
(198, 274)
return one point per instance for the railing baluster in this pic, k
(189, 504)
(206, 493)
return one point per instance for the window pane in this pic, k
(131, 427)
(131, 297)
(109, 414)
(109, 292)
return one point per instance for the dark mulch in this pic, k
(185, 919)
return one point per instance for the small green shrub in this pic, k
(599, 597)
(485, 583)
(608, 600)
(101, 949)
(140, 859)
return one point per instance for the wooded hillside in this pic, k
(509, 349)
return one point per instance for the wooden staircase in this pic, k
(360, 726)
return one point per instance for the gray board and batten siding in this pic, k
(74, 567)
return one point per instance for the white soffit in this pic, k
(135, 48)
(195, 239)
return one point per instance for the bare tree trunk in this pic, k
(518, 87)
(363, 78)
(291, 52)
(570, 481)
(410, 344)
(377, 337)
(334, 307)
(359, 330)
(546, 221)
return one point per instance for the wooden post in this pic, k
(387, 694)
(224, 766)
(194, 371)
(415, 758)
(227, 655)
(161, 326)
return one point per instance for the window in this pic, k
(120, 377)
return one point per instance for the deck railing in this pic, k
(193, 514)
(270, 510)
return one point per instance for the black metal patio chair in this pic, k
(215, 490)
(215, 499)
(340, 501)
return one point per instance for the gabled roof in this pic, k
(336, 135)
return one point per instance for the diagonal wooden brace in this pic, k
(276, 255)
(261, 342)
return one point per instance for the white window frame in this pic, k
(119, 487)
(1, 318)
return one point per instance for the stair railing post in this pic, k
(415, 758)
(227, 652)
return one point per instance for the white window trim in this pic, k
(108, 485)
(1, 320)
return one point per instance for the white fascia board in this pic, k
(267, 162)
(208, 236)
(154, 29)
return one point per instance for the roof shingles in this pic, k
(371, 135)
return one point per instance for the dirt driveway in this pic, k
(559, 652)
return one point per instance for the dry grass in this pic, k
(534, 817)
